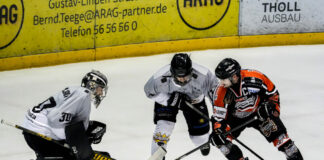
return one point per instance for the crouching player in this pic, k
(64, 117)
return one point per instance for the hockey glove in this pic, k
(95, 131)
(267, 110)
(175, 99)
(219, 129)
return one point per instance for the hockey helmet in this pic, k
(92, 81)
(226, 68)
(181, 68)
(181, 65)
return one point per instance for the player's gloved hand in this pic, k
(217, 139)
(219, 129)
(175, 99)
(266, 110)
(95, 131)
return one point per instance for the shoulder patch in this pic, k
(163, 79)
(195, 76)
(66, 92)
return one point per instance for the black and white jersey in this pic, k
(161, 85)
(50, 117)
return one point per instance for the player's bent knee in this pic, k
(291, 151)
(272, 128)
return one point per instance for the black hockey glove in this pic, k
(175, 99)
(217, 139)
(266, 110)
(219, 129)
(95, 131)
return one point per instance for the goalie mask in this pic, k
(96, 82)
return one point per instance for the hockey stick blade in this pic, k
(158, 154)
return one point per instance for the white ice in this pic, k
(297, 72)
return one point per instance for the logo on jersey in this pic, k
(244, 102)
(66, 92)
(11, 21)
(202, 14)
(267, 127)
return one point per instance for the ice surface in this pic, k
(297, 71)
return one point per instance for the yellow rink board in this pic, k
(33, 27)
(158, 48)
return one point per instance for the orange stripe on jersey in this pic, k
(257, 74)
(220, 93)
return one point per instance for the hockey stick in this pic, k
(225, 134)
(242, 144)
(65, 145)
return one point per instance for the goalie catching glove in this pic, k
(95, 131)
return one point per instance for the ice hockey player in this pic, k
(241, 95)
(171, 87)
(65, 117)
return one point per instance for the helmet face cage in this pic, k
(181, 67)
(92, 81)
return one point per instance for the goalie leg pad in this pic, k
(100, 155)
(165, 113)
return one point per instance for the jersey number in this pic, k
(66, 117)
(49, 103)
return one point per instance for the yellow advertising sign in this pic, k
(35, 27)
(11, 21)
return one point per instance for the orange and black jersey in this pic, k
(243, 99)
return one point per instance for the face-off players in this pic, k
(171, 87)
(241, 95)
(65, 117)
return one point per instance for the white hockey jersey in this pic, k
(161, 85)
(50, 117)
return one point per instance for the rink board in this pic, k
(158, 48)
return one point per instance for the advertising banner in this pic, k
(259, 17)
(44, 26)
